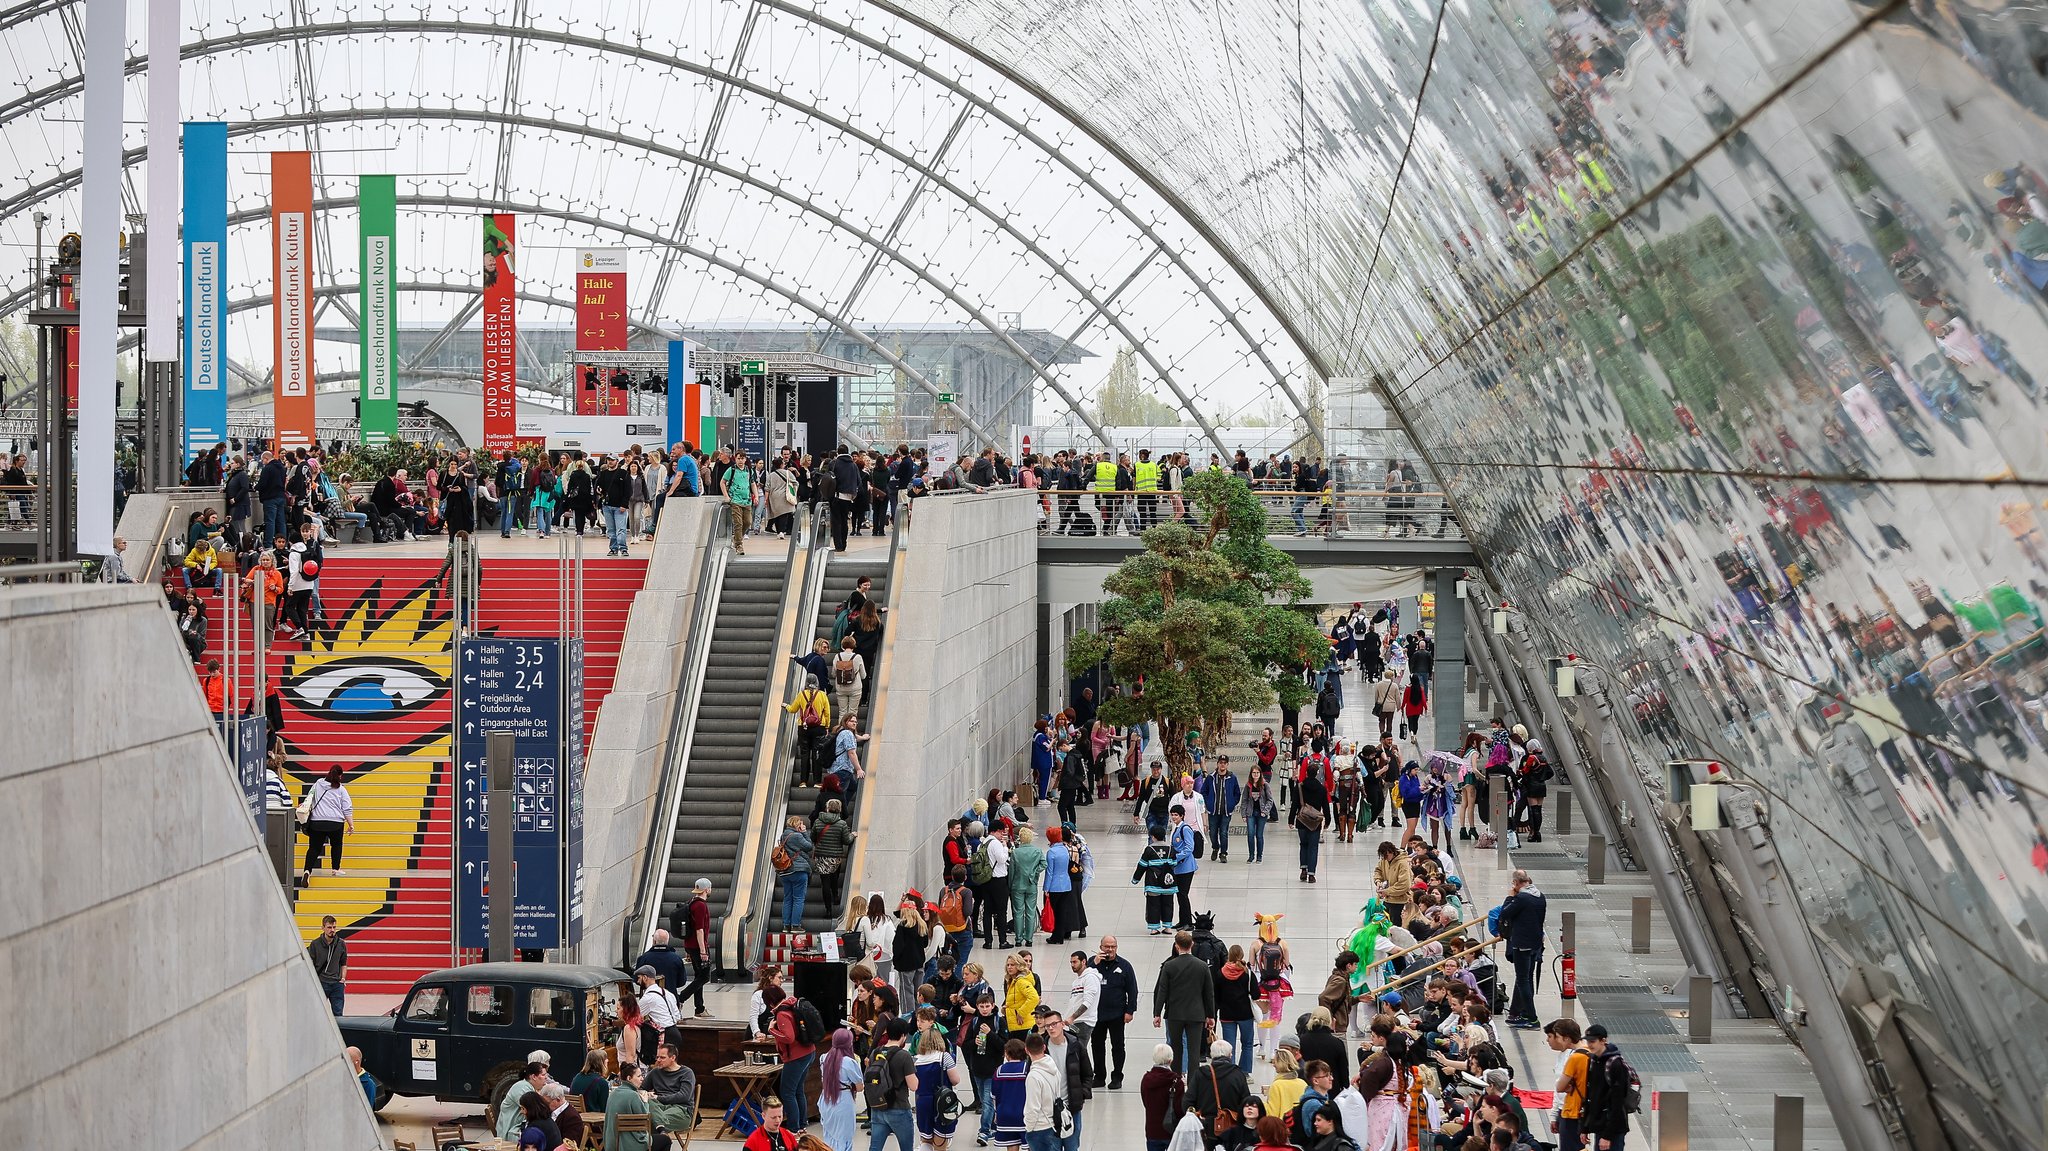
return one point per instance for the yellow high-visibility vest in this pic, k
(1147, 477)
(1105, 476)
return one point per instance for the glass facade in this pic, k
(1720, 323)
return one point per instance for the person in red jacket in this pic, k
(771, 1135)
(797, 1057)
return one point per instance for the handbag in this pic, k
(1309, 819)
(1226, 1117)
(1045, 920)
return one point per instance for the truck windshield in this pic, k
(428, 1005)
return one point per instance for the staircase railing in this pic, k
(682, 728)
(768, 783)
(878, 711)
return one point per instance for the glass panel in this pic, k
(428, 1005)
(490, 1006)
(551, 1007)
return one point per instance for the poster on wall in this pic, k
(291, 223)
(377, 393)
(501, 335)
(600, 325)
(206, 251)
(941, 449)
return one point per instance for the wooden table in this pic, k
(746, 1080)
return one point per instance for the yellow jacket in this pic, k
(1285, 1092)
(1020, 999)
(1400, 880)
(824, 705)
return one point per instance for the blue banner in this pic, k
(206, 303)
(572, 868)
(678, 390)
(513, 685)
(753, 436)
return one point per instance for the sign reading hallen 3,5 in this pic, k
(291, 218)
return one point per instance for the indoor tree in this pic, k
(1208, 619)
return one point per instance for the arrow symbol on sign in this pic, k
(469, 729)
(469, 679)
(470, 803)
(469, 869)
(469, 653)
(469, 821)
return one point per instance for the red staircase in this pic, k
(371, 693)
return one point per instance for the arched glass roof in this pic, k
(766, 161)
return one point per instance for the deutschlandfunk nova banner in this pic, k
(501, 336)
(206, 258)
(291, 220)
(377, 395)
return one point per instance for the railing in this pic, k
(69, 571)
(1328, 515)
(769, 781)
(682, 728)
(885, 666)
(21, 508)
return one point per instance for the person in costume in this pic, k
(1270, 959)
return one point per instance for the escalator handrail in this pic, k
(770, 776)
(682, 728)
(885, 663)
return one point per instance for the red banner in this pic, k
(67, 298)
(501, 336)
(600, 327)
(291, 242)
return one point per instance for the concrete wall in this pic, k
(964, 678)
(630, 745)
(153, 991)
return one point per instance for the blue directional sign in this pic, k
(752, 433)
(572, 869)
(516, 686)
(254, 742)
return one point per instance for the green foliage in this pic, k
(1208, 619)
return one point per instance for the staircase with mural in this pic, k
(370, 692)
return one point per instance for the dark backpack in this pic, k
(1617, 1069)
(879, 1081)
(1210, 950)
(843, 672)
(1270, 962)
(810, 1026)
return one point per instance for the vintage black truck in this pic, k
(463, 1034)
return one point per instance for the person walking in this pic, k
(1183, 1000)
(1220, 795)
(1236, 990)
(1218, 1089)
(890, 1088)
(1259, 810)
(329, 953)
(1311, 808)
(1521, 925)
(737, 485)
(797, 1054)
(1386, 701)
(1181, 839)
(1117, 1005)
(792, 862)
(328, 813)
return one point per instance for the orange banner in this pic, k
(600, 327)
(501, 336)
(291, 242)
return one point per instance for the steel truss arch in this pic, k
(640, 52)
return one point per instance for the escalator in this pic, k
(840, 577)
(711, 812)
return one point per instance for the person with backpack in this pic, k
(849, 674)
(1521, 925)
(956, 914)
(1182, 840)
(1535, 776)
(889, 1085)
(797, 1029)
(792, 862)
(1613, 1092)
(814, 731)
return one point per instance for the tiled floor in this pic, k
(1732, 1082)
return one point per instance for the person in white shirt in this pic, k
(1083, 998)
(656, 1003)
(1193, 808)
(992, 899)
(1041, 1088)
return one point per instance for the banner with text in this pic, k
(377, 397)
(206, 257)
(600, 326)
(501, 336)
(291, 224)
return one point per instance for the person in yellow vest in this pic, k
(1126, 500)
(1145, 479)
(1105, 491)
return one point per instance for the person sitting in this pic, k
(537, 1130)
(567, 1117)
(511, 1119)
(202, 562)
(340, 510)
(671, 1090)
(771, 1135)
(192, 628)
(627, 1098)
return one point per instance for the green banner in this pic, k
(377, 402)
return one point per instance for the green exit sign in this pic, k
(945, 397)
(753, 367)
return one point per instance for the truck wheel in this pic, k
(383, 1097)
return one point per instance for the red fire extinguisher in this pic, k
(1568, 977)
